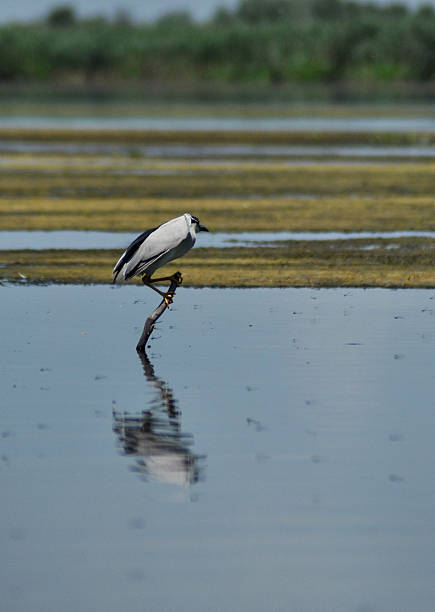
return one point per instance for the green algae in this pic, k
(282, 137)
(359, 263)
(232, 182)
(339, 213)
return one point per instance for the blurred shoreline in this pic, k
(290, 98)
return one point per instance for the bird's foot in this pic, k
(177, 278)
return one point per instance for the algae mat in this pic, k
(299, 264)
(233, 180)
(346, 213)
(205, 136)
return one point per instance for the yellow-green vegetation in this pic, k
(339, 213)
(121, 191)
(208, 137)
(297, 263)
(243, 180)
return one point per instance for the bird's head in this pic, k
(194, 222)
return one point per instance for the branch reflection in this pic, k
(154, 437)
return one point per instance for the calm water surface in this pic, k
(352, 124)
(70, 239)
(275, 452)
(212, 153)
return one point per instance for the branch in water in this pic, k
(151, 320)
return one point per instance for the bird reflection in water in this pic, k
(163, 452)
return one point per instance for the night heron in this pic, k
(156, 247)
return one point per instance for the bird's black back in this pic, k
(131, 250)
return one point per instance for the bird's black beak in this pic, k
(202, 228)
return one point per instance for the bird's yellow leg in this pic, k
(168, 297)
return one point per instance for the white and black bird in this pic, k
(156, 247)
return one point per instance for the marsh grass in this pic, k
(338, 213)
(241, 181)
(208, 137)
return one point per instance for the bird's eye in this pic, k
(194, 219)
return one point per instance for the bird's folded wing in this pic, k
(166, 237)
(130, 251)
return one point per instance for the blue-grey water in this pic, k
(71, 239)
(300, 154)
(277, 452)
(351, 124)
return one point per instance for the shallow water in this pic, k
(284, 460)
(348, 124)
(38, 240)
(345, 153)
